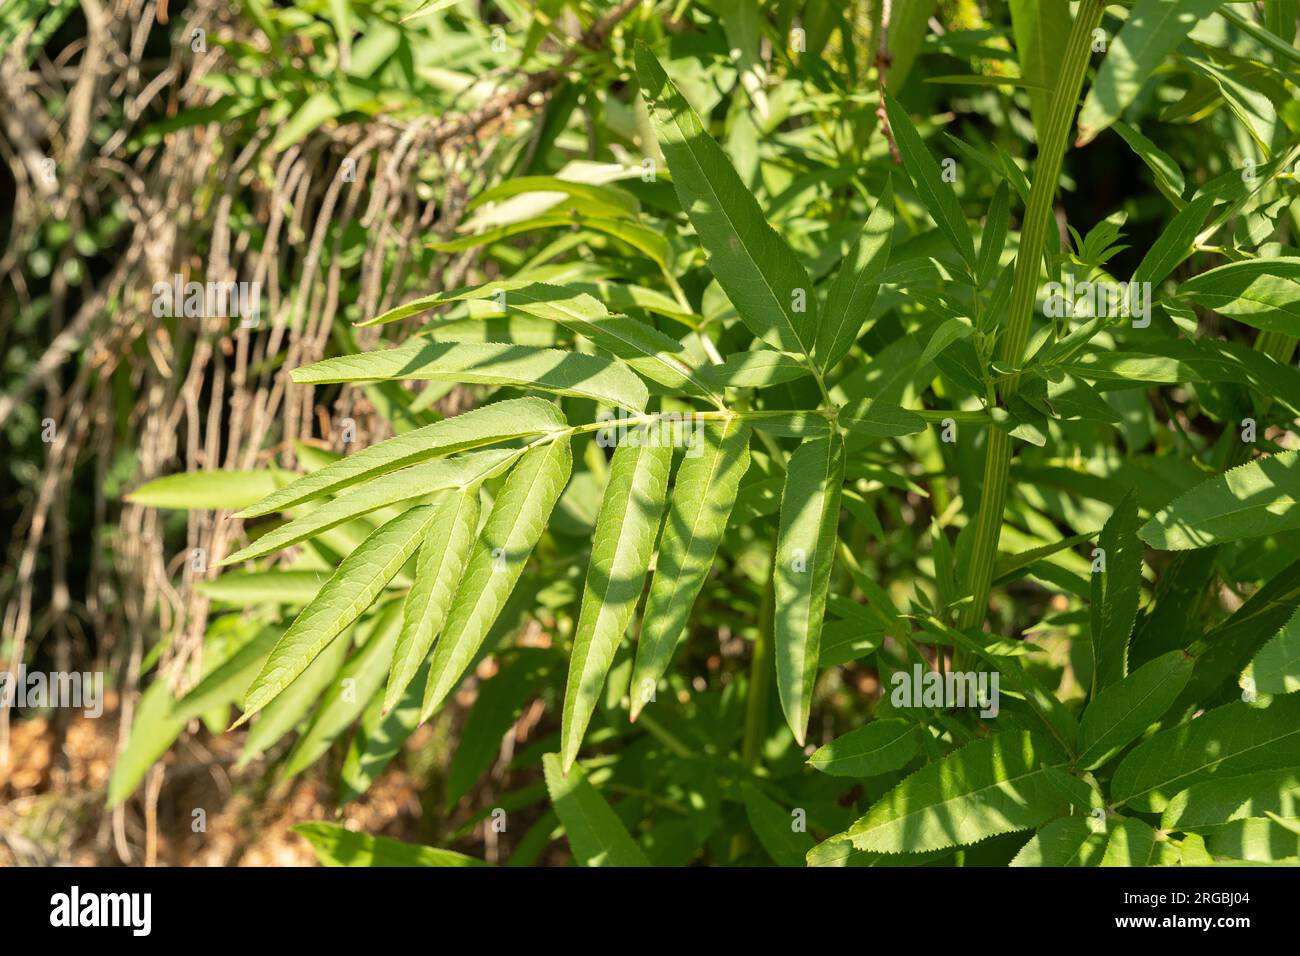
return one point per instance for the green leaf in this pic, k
(350, 590)
(856, 284)
(154, 729)
(442, 558)
(758, 368)
(247, 588)
(1262, 293)
(501, 421)
(1252, 108)
(620, 554)
(1281, 16)
(205, 490)
(428, 7)
(315, 111)
(518, 517)
(379, 738)
(357, 683)
(1169, 178)
(805, 552)
(596, 835)
(652, 354)
(1176, 242)
(524, 197)
(1131, 843)
(936, 195)
(994, 785)
(417, 481)
(1226, 650)
(1229, 740)
(642, 238)
(1203, 360)
(1040, 28)
(335, 845)
(381, 41)
(1116, 590)
(755, 267)
(1124, 710)
(872, 749)
(1276, 668)
(1046, 705)
(1254, 499)
(1206, 806)
(1268, 839)
(994, 238)
(1009, 566)
(948, 331)
(1066, 841)
(792, 424)
(773, 825)
(294, 703)
(227, 682)
(649, 352)
(500, 701)
(1154, 28)
(1069, 399)
(487, 363)
(980, 79)
(839, 852)
(873, 419)
(703, 496)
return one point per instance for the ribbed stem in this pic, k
(1024, 286)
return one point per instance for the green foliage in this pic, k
(767, 429)
(337, 846)
(1249, 501)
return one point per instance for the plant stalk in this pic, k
(760, 677)
(1052, 142)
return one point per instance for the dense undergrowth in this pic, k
(750, 433)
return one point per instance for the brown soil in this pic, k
(52, 799)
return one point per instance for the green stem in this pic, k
(1274, 43)
(1033, 238)
(760, 678)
